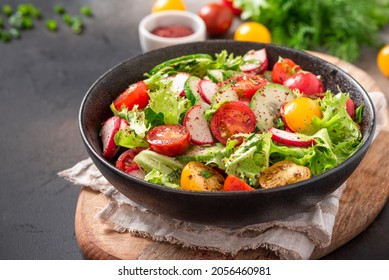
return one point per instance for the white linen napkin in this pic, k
(292, 238)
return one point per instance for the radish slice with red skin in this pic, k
(197, 126)
(108, 131)
(207, 90)
(178, 83)
(256, 62)
(289, 138)
(123, 124)
(136, 172)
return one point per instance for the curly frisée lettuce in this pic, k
(318, 158)
(167, 103)
(344, 133)
(249, 159)
(160, 169)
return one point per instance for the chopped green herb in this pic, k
(7, 10)
(86, 11)
(16, 20)
(36, 13)
(15, 33)
(77, 25)
(4, 36)
(25, 9)
(279, 123)
(67, 19)
(174, 175)
(59, 9)
(206, 174)
(359, 113)
(27, 23)
(51, 25)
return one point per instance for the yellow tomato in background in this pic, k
(383, 60)
(164, 5)
(253, 32)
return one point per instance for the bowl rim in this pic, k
(199, 31)
(366, 140)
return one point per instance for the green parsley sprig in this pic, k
(340, 27)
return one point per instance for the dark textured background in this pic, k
(43, 78)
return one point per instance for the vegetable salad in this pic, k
(229, 123)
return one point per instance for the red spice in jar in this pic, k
(173, 31)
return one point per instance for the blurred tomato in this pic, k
(217, 17)
(253, 32)
(230, 4)
(283, 69)
(306, 82)
(164, 5)
(350, 107)
(383, 60)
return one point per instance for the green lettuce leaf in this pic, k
(135, 134)
(344, 133)
(210, 155)
(169, 104)
(249, 159)
(318, 158)
(160, 169)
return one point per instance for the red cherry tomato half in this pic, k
(169, 139)
(306, 82)
(246, 85)
(230, 4)
(350, 107)
(283, 69)
(135, 94)
(231, 118)
(217, 18)
(233, 183)
(126, 162)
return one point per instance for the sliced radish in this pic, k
(207, 90)
(255, 61)
(135, 171)
(179, 82)
(289, 138)
(108, 131)
(197, 126)
(123, 124)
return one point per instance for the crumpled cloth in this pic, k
(294, 237)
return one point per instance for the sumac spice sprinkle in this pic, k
(172, 31)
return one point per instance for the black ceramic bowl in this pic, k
(218, 209)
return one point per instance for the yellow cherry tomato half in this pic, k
(252, 32)
(196, 176)
(298, 113)
(383, 60)
(165, 5)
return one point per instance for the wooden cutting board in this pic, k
(366, 193)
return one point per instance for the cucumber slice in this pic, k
(225, 93)
(215, 75)
(219, 75)
(182, 60)
(266, 103)
(191, 89)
